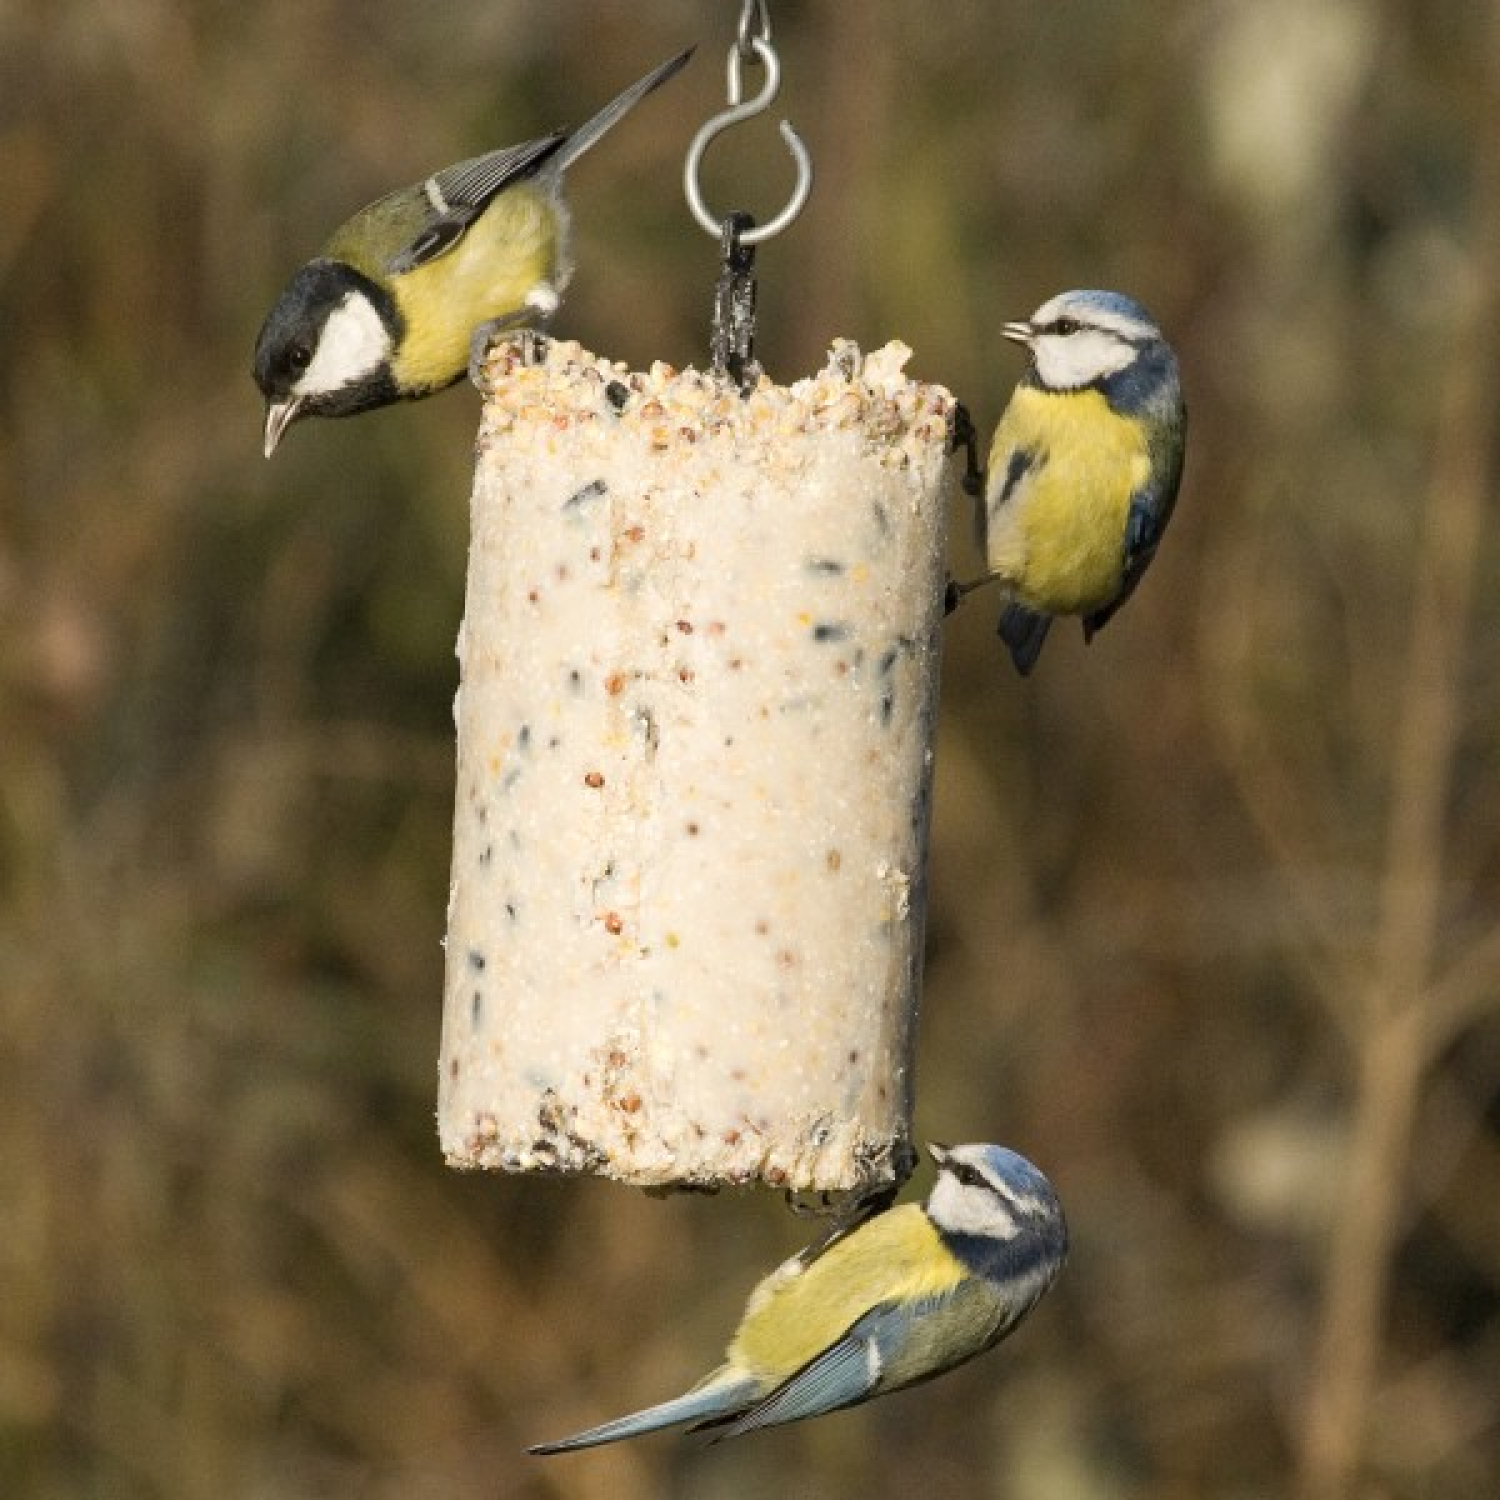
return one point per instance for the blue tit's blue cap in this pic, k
(1015, 1171)
(1001, 1163)
(1116, 303)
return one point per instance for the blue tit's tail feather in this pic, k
(1024, 631)
(613, 112)
(714, 1400)
(1094, 623)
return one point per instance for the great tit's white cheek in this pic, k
(354, 344)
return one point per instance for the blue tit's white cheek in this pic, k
(354, 344)
(972, 1210)
(1068, 361)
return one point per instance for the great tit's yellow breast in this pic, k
(896, 1257)
(1058, 540)
(506, 253)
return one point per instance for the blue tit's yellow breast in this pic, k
(1057, 536)
(794, 1314)
(505, 254)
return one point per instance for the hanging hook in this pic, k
(756, 13)
(739, 110)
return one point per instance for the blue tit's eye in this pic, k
(967, 1175)
(1065, 326)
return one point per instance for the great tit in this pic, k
(906, 1295)
(408, 289)
(1084, 467)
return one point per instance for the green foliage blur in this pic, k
(1169, 873)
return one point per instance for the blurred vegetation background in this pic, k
(1214, 933)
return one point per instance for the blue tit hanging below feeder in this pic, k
(405, 292)
(904, 1296)
(1084, 467)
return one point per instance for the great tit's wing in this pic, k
(718, 1398)
(579, 141)
(472, 183)
(460, 193)
(1024, 632)
(844, 1374)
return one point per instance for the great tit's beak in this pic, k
(1017, 333)
(279, 416)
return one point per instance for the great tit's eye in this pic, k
(299, 356)
(1065, 326)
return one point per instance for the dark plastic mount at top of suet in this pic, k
(732, 332)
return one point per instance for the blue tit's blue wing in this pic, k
(1151, 506)
(844, 1374)
(1144, 524)
(460, 193)
(1024, 632)
(716, 1399)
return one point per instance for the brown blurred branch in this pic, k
(1396, 1031)
(1285, 805)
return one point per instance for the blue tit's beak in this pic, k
(938, 1153)
(279, 416)
(1017, 333)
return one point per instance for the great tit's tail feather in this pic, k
(613, 112)
(715, 1399)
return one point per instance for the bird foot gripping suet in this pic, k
(488, 334)
(695, 620)
(965, 436)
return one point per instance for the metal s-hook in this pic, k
(741, 109)
(755, 13)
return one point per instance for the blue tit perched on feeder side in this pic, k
(408, 291)
(1084, 467)
(902, 1297)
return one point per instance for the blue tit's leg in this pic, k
(962, 434)
(1024, 631)
(540, 303)
(954, 592)
(856, 1208)
(849, 1215)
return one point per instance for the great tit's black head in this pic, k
(325, 348)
